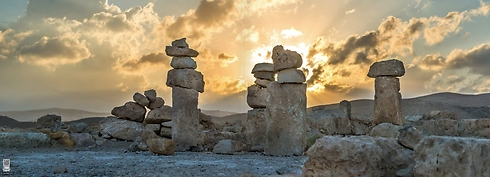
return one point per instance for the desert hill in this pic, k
(66, 114)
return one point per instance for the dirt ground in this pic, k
(114, 160)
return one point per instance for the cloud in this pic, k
(224, 85)
(147, 60)
(476, 59)
(290, 33)
(248, 34)
(350, 11)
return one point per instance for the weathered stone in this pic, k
(262, 82)
(183, 63)
(185, 118)
(392, 68)
(474, 128)
(121, 129)
(409, 137)
(291, 76)
(260, 67)
(360, 125)
(387, 101)
(167, 124)
(82, 139)
(159, 115)
(264, 75)
(256, 96)
(440, 127)
(451, 156)
(66, 141)
(166, 132)
(180, 43)
(141, 99)
(206, 121)
(53, 135)
(225, 147)
(53, 122)
(78, 127)
(151, 95)
(130, 110)
(159, 102)
(256, 127)
(433, 115)
(286, 126)
(385, 130)
(284, 59)
(153, 127)
(185, 78)
(333, 156)
(23, 140)
(180, 52)
(161, 146)
(344, 109)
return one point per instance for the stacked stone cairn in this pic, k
(186, 85)
(286, 105)
(257, 99)
(387, 97)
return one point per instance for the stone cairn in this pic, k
(387, 97)
(256, 98)
(286, 105)
(186, 85)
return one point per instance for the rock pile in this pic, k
(186, 85)
(286, 105)
(387, 97)
(257, 99)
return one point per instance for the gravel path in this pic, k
(118, 162)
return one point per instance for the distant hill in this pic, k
(66, 114)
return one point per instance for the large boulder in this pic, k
(266, 75)
(185, 78)
(409, 137)
(256, 127)
(159, 102)
(434, 115)
(291, 75)
(256, 96)
(24, 140)
(161, 146)
(50, 121)
(181, 43)
(183, 63)
(440, 127)
(284, 59)
(130, 110)
(474, 128)
(159, 115)
(180, 52)
(151, 95)
(391, 68)
(386, 130)
(263, 67)
(185, 118)
(225, 147)
(78, 127)
(333, 156)
(452, 156)
(141, 99)
(82, 139)
(121, 129)
(387, 101)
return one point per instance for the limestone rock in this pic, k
(82, 139)
(161, 146)
(185, 118)
(387, 101)
(266, 75)
(409, 137)
(23, 140)
(167, 124)
(440, 127)
(183, 63)
(159, 115)
(392, 68)
(166, 132)
(291, 75)
(141, 99)
(433, 115)
(146, 135)
(180, 52)
(256, 96)
(262, 82)
(78, 127)
(130, 110)
(451, 156)
(50, 121)
(474, 128)
(121, 129)
(151, 95)
(225, 147)
(153, 127)
(181, 43)
(333, 156)
(360, 125)
(284, 59)
(260, 67)
(159, 102)
(386, 130)
(185, 78)
(286, 126)
(256, 127)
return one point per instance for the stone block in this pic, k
(256, 96)
(266, 75)
(180, 52)
(185, 118)
(183, 63)
(284, 59)
(291, 76)
(392, 68)
(131, 111)
(261, 67)
(256, 127)
(185, 78)
(159, 115)
(387, 101)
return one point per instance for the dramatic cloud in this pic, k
(350, 11)
(223, 85)
(290, 33)
(149, 59)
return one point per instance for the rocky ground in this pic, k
(113, 159)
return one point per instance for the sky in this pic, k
(95, 54)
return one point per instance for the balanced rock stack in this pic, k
(387, 97)
(257, 99)
(286, 105)
(186, 84)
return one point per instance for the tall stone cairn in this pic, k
(387, 97)
(286, 105)
(186, 85)
(256, 98)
